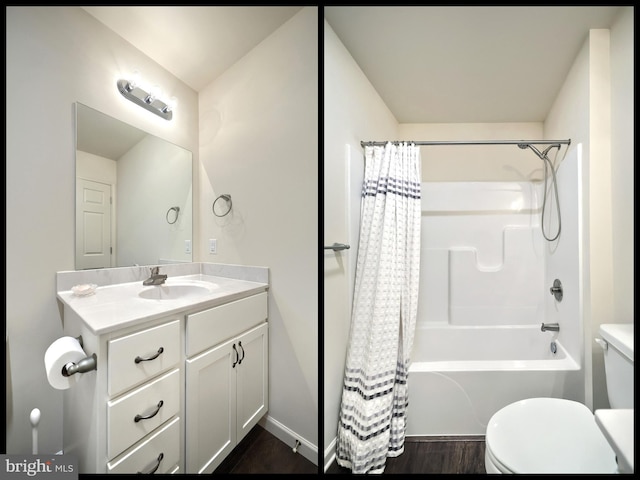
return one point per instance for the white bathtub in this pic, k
(461, 375)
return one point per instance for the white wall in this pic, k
(96, 168)
(153, 177)
(569, 116)
(600, 213)
(590, 111)
(622, 165)
(353, 111)
(259, 144)
(57, 56)
(472, 163)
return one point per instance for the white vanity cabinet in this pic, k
(179, 381)
(226, 379)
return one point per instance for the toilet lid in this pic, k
(548, 435)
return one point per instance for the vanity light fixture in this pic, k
(148, 100)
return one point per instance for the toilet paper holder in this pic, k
(85, 365)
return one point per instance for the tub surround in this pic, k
(512, 362)
(486, 273)
(481, 254)
(116, 303)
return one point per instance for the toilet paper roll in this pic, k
(59, 354)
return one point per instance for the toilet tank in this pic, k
(618, 363)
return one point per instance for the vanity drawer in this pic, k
(123, 430)
(210, 327)
(124, 372)
(144, 457)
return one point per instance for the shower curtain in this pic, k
(372, 423)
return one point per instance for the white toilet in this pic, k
(553, 435)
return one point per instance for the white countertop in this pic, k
(617, 426)
(118, 306)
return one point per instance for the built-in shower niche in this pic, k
(482, 260)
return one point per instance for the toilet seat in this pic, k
(547, 435)
(492, 464)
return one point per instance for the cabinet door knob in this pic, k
(139, 359)
(139, 417)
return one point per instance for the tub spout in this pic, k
(551, 327)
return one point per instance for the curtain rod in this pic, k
(524, 143)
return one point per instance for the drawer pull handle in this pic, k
(153, 470)
(235, 362)
(140, 359)
(139, 417)
(240, 345)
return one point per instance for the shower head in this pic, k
(543, 154)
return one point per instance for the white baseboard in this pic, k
(330, 454)
(306, 448)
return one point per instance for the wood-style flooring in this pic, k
(434, 455)
(262, 452)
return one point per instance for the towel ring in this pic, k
(227, 198)
(175, 209)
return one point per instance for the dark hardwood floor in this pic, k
(262, 452)
(434, 455)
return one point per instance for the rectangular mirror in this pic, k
(133, 195)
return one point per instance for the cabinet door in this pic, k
(252, 378)
(210, 408)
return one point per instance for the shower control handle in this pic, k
(556, 290)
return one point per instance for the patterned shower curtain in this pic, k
(372, 420)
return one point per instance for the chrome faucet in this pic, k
(551, 327)
(156, 277)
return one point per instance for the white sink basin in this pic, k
(177, 291)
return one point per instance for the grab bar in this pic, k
(337, 246)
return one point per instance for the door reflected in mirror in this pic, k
(133, 195)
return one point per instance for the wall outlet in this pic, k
(213, 246)
(187, 246)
